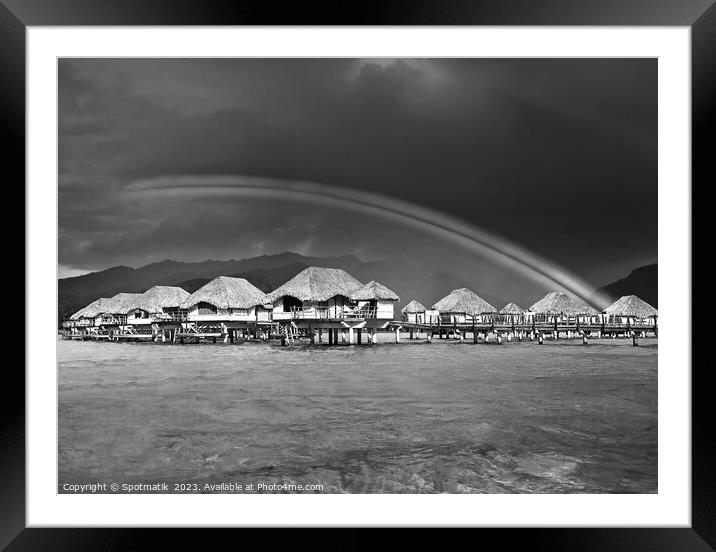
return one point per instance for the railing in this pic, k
(365, 312)
(449, 318)
(112, 320)
(641, 324)
(139, 330)
(631, 321)
(345, 313)
(80, 322)
(564, 319)
(310, 312)
(173, 316)
(509, 319)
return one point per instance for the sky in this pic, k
(558, 156)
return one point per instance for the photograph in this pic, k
(323, 275)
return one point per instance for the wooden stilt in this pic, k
(360, 336)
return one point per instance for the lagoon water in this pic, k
(443, 417)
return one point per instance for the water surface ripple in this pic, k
(409, 418)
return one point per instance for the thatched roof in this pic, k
(465, 301)
(374, 291)
(560, 302)
(413, 307)
(91, 310)
(225, 292)
(631, 305)
(317, 284)
(159, 297)
(121, 303)
(511, 308)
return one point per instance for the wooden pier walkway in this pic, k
(333, 332)
(559, 329)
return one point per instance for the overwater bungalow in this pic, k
(561, 307)
(413, 312)
(632, 311)
(113, 311)
(321, 299)
(463, 306)
(374, 300)
(226, 299)
(511, 313)
(83, 321)
(159, 303)
(316, 293)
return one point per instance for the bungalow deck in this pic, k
(529, 330)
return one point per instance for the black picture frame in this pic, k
(16, 15)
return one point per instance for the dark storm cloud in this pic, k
(558, 155)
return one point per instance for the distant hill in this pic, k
(642, 281)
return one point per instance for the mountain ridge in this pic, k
(643, 281)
